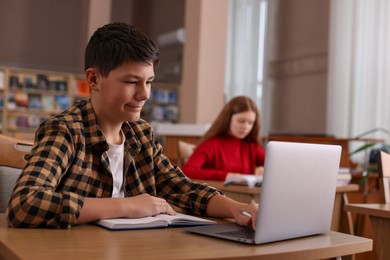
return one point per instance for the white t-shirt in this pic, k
(116, 157)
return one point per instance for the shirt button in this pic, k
(128, 193)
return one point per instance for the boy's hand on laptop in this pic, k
(246, 216)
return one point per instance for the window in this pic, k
(245, 49)
(359, 63)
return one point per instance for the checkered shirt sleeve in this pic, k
(69, 162)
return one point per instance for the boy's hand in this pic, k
(246, 216)
(134, 207)
(145, 205)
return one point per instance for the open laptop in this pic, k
(296, 198)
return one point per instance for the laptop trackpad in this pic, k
(230, 231)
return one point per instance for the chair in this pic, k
(383, 161)
(185, 150)
(379, 230)
(384, 176)
(12, 160)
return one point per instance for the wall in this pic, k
(297, 53)
(42, 34)
(296, 66)
(156, 17)
(202, 90)
(52, 35)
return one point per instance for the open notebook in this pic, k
(158, 221)
(296, 197)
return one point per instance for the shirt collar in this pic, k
(93, 134)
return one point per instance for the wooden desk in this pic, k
(343, 142)
(169, 140)
(92, 242)
(247, 194)
(380, 221)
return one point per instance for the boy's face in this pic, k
(123, 93)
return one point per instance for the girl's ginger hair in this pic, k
(221, 125)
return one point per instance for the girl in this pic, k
(231, 145)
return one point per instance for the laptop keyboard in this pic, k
(247, 233)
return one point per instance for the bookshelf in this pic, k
(27, 97)
(163, 104)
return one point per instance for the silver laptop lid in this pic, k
(298, 190)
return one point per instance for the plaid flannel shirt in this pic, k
(69, 162)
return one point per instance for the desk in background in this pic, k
(170, 134)
(247, 194)
(380, 221)
(93, 242)
(343, 142)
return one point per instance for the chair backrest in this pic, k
(12, 160)
(185, 150)
(384, 176)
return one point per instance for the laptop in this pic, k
(296, 198)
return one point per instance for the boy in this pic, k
(99, 160)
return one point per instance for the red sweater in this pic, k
(215, 158)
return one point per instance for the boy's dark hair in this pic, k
(113, 44)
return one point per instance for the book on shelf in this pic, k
(42, 82)
(60, 85)
(344, 177)
(22, 121)
(158, 113)
(34, 101)
(62, 102)
(11, 105)
(82, 87)
(171, 113)
(48, 102)
(29, 81)
(11, 122)
(249, 180)
(34, 121)
(52, 86)
(165, 96)
(14, 82)
(21, 99)
(158, 221)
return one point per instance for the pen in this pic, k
(245, 213)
